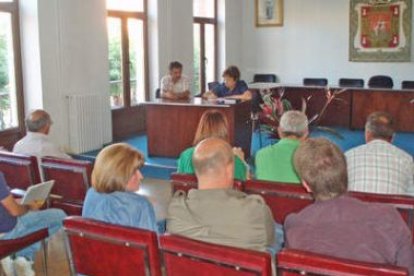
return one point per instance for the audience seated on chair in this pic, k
(18, 220)
(115, 180)
(232, 87)
(175, 85)
(378, 166)
(212, 124)
(339, 225)
(36, 142)
(216, 213)
(274, 162)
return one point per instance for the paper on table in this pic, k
(38, 192)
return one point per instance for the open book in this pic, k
(38, 192)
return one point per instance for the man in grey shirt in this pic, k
(215, 212)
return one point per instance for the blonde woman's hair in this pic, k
(212, 124)
(114, 167)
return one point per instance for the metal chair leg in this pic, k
(44, 245)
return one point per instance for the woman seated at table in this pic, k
(213, 124)
(232, 87)
(115, 180)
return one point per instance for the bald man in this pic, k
(215, 212)
(36, 142)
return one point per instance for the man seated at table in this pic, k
(175, 85)
(339, 225)
(232, 87)
(378, 166)
(215, 212)
(274, 163)
(37, 142)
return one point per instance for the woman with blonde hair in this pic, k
(212, 124)
(115, 181)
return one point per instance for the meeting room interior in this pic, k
(149, 79)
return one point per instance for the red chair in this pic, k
(186, 182)
(11, 246)
(183, 256)
(282, 198)
(99, 248)
(296, 262)
(72, 180)
(403, 204)
(20, 171)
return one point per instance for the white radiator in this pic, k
(85, 122)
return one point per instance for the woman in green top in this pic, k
(213, 124)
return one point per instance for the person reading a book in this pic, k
(232, 87)
(213, 124)
(115, 180)
(17, 220)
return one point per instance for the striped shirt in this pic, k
(380, 167)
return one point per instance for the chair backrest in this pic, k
(183, 256)
(264, 78)
(344, 82)
(99, 248)
(315, 82)
(20, 171)
(407, 84)
(380, 81)
(72, 180)
(403, 204)
(157, 93)
(186, 182)
(282, 198)
(212, 85)
(297, 262)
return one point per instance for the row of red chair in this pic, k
(119, 250)
(283, 198)
(72, 178)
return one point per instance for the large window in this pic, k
(205, 56)
(127, 37)
(11, 94)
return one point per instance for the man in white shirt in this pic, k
(175, 85)
(378, 166)
(36, 142)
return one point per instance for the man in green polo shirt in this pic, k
(274, 163)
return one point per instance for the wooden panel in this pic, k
(9, 137)
(171, 127)
(338, 112)
(396, 102)
(127, 122)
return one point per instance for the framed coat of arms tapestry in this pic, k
(380, 30)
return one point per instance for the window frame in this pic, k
(123, 16)
(11, 135)
(202, 21)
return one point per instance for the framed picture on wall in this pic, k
(269, 13)
(380, 30)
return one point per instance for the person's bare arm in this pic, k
(209, 95)
(246, 96)
(183, 95)
(168, 95)
(15, 209)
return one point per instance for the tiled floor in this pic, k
(158, 192)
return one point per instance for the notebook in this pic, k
(38, 192)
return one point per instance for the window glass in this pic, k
(125, 5)
(210, 53)
(203, 8)
(115, 62)
(8, 101)
(136, 60)
(197, 50)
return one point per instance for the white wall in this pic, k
(313, 42)
(73, 59)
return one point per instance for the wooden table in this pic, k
(171, 125)
(353, 106)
